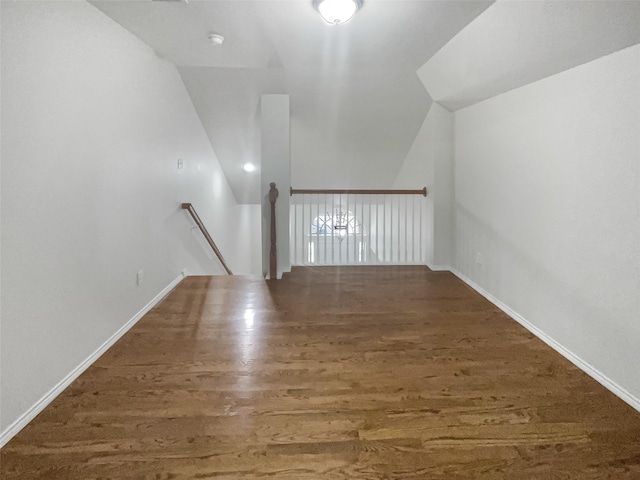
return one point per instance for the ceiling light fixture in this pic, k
(249, 167)
(336, 12)
(216, 39)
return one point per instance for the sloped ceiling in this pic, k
(514, 43)
(356, 101)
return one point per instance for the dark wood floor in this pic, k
(333, 373)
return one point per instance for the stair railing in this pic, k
(358, 227)
(189, 208)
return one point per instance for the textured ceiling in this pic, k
(356, 101)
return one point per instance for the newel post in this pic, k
(273, 254)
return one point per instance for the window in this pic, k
(338, 223)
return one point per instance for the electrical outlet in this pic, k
(479, 259)
(140, 277)
(180, 164)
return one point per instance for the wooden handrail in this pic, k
(188, 207)
(273, 253)
(422, 192)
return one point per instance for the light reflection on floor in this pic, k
(248, 342)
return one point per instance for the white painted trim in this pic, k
(435, 268)
(48, 397)
(601, 378)
(438, 268)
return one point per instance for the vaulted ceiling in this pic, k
(357, 102)
(515, 43)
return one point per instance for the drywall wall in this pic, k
(417, 171)
(443, 188)
(93, 125)
(547, 213)
(246, 245)
(430, 163)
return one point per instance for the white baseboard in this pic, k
(439, 268)
(40, 405)
(566, 353)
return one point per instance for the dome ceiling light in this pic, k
(216, 39)
(249, 167)
(336, 12)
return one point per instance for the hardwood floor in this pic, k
(332, 373)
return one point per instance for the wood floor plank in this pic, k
(381, 373)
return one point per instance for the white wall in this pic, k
(246, 242)
(93, 124)
(548, 192)
(430, 163)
